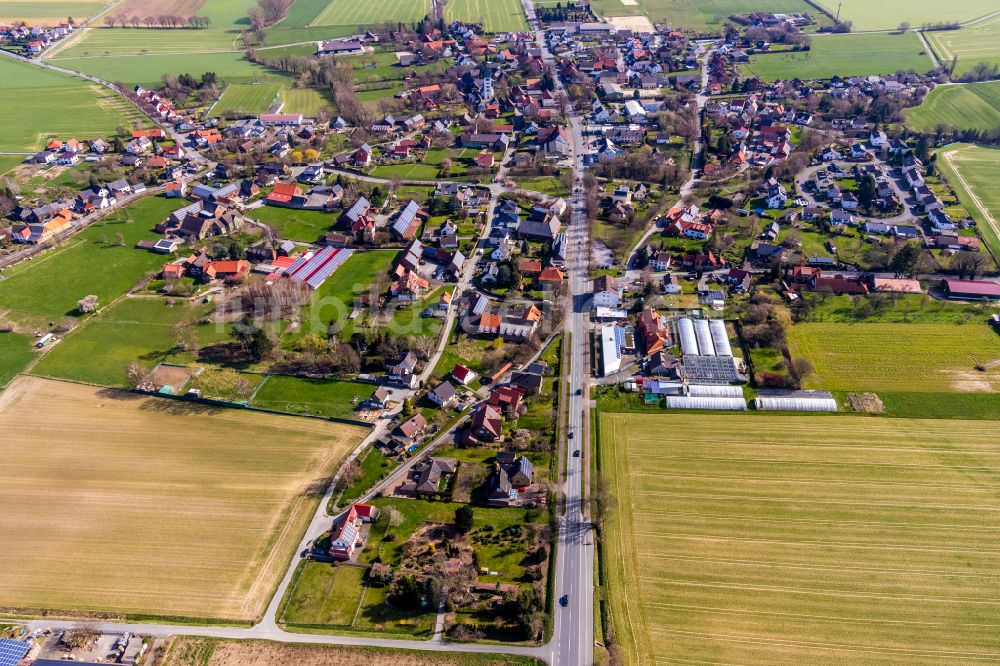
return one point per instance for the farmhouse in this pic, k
(346, 534)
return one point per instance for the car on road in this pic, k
(576, 454)
(564, 600)
(579, 391)
(570, 435)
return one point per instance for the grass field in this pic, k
(964, 106)
(899, 357)
(143, 56)
(8, 162)
(251, 98)
(15, 354)
(973, 45)
(845, 55)
(326, 595)
(51, 285)
(183, 9)
(229, 18)
(972, 170)
(48, 12)
(187, 651)
(135, 329)
(333, 301)
(42, 104)
(707, 15)
(300, 225)
(150, 69)
(745, 539)
(349, 12)
(888, 14)
(495, 15)
(178, 510)
(307, 101)
(316, 397)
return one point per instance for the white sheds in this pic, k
(713, 391)
(688, 402)
(704, 336)
(610, 351)
(720, 338)
(689, 344)
(795, 404)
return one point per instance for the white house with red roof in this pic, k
(346, 535)
(463, 375)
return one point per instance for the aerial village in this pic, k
(419, 258)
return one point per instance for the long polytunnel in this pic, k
(720, 337)
(704, 335)
(796, 404)
(688, 402)
(713, 391)
(689, 344)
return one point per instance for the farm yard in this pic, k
(495, 15)
(179, 510)
(971, 170)
(190, 651)
(50, 104)
(971, 45)
(963, 106)
(767, 539)
(888, 14)
(48, 12)
(899, 357)
(844, 55)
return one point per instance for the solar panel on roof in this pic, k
(12, 651)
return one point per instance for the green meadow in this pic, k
(888, 14)
(299, 225)
(150, 69)
(41, 104)
(963, 106)
(972, 171)
(495, 15)
(844, 55)
(15, 354)
(971, 45)
(707, 15)
(314, 397)
(49, 12)
(135, 329)
(101, 260)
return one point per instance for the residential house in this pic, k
(605, 293)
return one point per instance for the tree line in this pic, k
(164, 21)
